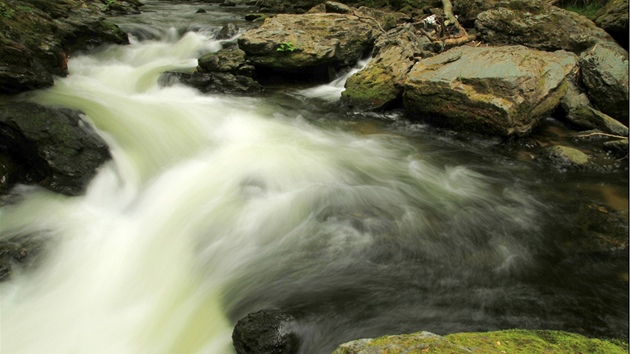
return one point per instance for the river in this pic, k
(358, 225)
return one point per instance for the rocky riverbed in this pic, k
(530, 69)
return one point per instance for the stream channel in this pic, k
(356, 224)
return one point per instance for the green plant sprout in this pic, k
(286, 47)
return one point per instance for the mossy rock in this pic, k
(508, 341)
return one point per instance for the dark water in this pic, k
(357, 224)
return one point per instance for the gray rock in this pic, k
(55, 147)
(580, 113)
(537, 24)
(382, 81)
(501, 91)
(564, 158)
(604, 73)
(215, 82)
(228, 31)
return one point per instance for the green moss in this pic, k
(521, 341)
(507, 342)
(589, 10)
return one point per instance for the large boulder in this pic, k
(604, 73)
(502, 91)
(538, 24)
(509, 341)
(312, 44)
(382, 81)
(53, 147)
(613, 18)
(265, 331)
(38, 36)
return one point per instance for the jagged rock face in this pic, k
(496, 91)
(604, 72)
(537, 24)
(382, 81)
(310, 42)
(53, 147)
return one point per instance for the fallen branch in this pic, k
(369, 18)
(600, 133)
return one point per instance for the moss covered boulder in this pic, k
(494, 91)
(613, 18)
(382, 81)
(509, 341)
(538, 24)
(312, 44)
(38, 36)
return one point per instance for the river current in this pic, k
(358, 225)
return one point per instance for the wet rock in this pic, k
(618, 148)
(228, 31)
(9, 172)
(604, 73)
(381, 82)
(467, 10)
(225, 60)
(580, 114)
(256, 17)
(38, 36)
(215, 82)
(201, 11)
(336, 7)
(119, 7)
(613, 18)
(266, 331)
(565, 158)
(501, 91)
(310, 44)
(18, 252)
(54, 147)
(537, 24)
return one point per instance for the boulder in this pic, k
(216, 82)
(37, 37)
(228, 31)
(613, 18)
(312, 44)
(501, 91)
(580, 114)
(53, 147)
(508, 341)
(604, 73)
(538, 24)
(265, 331)
(225, 71)
(382, 81)
(564, 158)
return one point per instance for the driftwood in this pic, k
(442, 37)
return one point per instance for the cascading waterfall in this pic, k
(217, 206)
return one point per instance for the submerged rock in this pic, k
(382, 81)
(509, 341)
(494, 91)
(53, 147)
(265, 331)
(18, 252)
(565, 158)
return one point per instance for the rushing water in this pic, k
(214, 207)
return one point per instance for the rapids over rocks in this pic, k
(358, 225)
